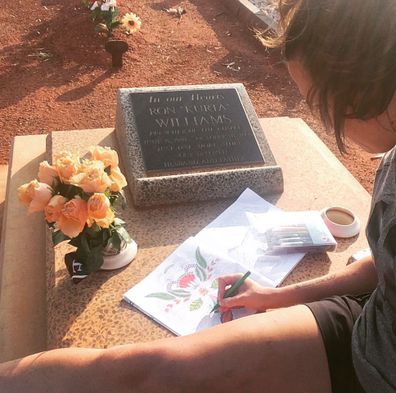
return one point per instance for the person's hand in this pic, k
(249, 295)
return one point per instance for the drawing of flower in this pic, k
(192, 286)
(203, 291)
(185, 280)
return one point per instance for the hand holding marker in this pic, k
(232, 290)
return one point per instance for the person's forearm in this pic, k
(358, 278)
(53, 371)
(122, 369)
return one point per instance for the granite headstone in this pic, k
(175, 141)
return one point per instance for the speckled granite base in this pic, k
(92, 313)
(192, 185)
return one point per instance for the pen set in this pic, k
(287, 238)
(291, 232)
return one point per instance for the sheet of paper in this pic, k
(232, 234)
(182, 291)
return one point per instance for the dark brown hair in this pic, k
(348, 48)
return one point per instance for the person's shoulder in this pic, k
(389, 158)
(384, 184)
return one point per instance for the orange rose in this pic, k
(73, 217)
(47, 173)
(53, 210)
(108, 156)
(118, 181)
(35, 195)
(99, 211)
(91, 177)
(67, 165)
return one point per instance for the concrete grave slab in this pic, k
(314, 179)
(23, 325)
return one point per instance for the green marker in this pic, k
(232, 290)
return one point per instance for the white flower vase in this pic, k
(114, 259)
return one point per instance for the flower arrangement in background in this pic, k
(106, 16)
(79, 197)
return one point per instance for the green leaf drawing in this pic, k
(200, 259)
(201, 274)
(161, 295)
(169, 267)
(179, 292)
(196, 304)
(215, 284)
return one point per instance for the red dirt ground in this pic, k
(75, 88)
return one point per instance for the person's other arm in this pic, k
(357, 278)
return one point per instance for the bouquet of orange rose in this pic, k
(79, 197)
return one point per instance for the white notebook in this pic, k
(180, 293)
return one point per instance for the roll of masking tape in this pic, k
(341, 221)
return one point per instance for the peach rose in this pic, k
(67, 165)
(108, 156)
(47, 173)
(53, 210)
(99, 211)
(118, 181)
(73, 217)
(35, 195)
(91, 177)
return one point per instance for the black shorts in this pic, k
(335, 317)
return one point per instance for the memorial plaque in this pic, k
(190, 129)
(192, 143)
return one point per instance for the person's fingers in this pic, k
(232, 302)
(226, 316)
(224, 281)
(223, 309)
